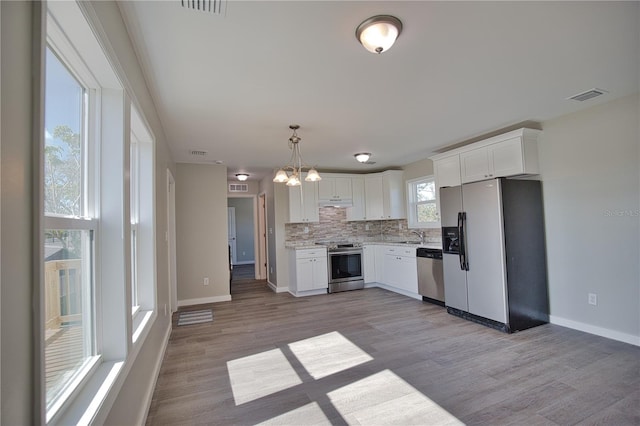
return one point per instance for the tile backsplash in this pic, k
(333, 226)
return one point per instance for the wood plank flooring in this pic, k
(374, 357)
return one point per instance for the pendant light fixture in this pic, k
(378, 33)
(292, 172)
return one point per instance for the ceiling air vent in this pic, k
(588, 95)
(238, 187)
(198, 153)
(217, 7)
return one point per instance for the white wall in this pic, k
(17, 324)
(244, 228)
(418, 169)
(201, 228)
(590, 171)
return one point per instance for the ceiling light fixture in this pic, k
(378, 33)
(362, 157)
(292, 172)
(242, 176)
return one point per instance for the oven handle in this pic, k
(336, 252)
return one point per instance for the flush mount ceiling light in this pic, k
(378, 33)
(292, 172)
(242, 176)
(362, 157)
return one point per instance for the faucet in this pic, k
(419, 234)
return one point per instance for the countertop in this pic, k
(310, 245)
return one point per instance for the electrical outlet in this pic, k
(593, 299)
(206, 280)
(244, 253)
(400, 226)
(271, 269)
(366, 227)
(306, 229)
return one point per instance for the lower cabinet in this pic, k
(400, 268)
(308, 272)
(369, 263)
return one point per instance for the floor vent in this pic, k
(238, 187)
(217, 7)
(588, 95)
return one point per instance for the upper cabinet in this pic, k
(334, 189)
(383, 197)
(303, 203)
(447, 171)
(358, 210)
(511, 154)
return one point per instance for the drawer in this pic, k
(400, 251)
(306, 253)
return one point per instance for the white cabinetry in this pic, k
(495, 160)
(358, 211)
(374, 208)
(383, 197)
(334, 188)
(303, 203)
(400, 268)
(447, 171)
(369, 263)
(511, 154)
(393, 194)
(308, 272)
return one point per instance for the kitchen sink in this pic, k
(409, 242)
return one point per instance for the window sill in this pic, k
(94, 398)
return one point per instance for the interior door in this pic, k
(231, 218)
(262, 238)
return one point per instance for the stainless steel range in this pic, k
(345, 265)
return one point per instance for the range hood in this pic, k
(335, 202)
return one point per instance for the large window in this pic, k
(70, 342)
(423, 204)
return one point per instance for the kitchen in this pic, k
(588, 152)
(345, 250)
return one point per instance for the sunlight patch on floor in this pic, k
(259, 375)
(386, 399)
(328, 354)
(310, 414)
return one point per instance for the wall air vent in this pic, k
(217, 7)
(238, 187)
(588, 95)
(198, 153)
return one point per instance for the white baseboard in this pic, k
(148, 397)
(598, 331)
(245, 262)
(204, 300)
(309, 293)
(277, 289)
(395, 290)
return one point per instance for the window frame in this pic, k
(88, 220)
(412, 203)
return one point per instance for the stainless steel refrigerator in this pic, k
(494, 257)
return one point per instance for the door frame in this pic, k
(256, 243)
(171, 243)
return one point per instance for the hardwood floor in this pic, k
(375, 357)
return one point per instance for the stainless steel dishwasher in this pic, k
(430, 276)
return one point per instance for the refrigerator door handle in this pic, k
(462, 221)
(461, 253)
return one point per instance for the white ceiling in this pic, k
(232, 84)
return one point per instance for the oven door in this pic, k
(345, 265)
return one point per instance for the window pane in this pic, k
(427, 213)
(64, 105)
(426, 191)
(68, 306)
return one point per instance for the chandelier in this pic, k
(292, 172)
